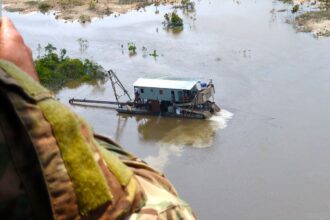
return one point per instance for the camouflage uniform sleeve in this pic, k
(162, 200)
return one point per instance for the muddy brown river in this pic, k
(267, 155)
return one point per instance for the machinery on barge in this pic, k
(166, 96)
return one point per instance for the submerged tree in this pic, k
(83, 45)
(173, 20)
(56, 69)
(131, 48)
(295, 9)
(154, 54)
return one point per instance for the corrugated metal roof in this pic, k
(166, 83)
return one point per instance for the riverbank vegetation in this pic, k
(80, 10)
(312, 16)
(56, 69)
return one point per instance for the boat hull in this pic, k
(183, 114)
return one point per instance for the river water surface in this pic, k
(267, 155)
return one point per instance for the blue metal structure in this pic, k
(168, 89)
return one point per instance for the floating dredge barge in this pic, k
(175, 97)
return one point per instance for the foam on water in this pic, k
(222, 118)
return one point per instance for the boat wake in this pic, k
(221, 118)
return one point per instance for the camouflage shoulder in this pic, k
(161, 204)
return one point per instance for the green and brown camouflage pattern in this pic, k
(162, 201)
(59, 170)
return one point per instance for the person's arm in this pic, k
(13, 48)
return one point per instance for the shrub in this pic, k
(44, 7)
(173, 20)
(132, 48)
(84, 18)
(295, 8)
(176, 20)
(154, 54)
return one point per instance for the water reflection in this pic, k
(172, 135)
(192, 133)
